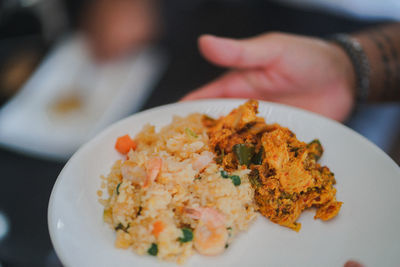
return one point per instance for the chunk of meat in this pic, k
(242, 116)
(276, 149)
(289, 179)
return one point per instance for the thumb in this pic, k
(259, 51)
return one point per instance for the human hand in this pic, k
(305, 72)
(115, 27)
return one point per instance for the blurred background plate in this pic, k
(70, 98)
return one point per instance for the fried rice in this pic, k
(188, 204)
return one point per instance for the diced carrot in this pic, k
(158, 227)
(124, 144)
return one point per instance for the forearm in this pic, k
(382, 48)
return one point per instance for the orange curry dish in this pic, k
(284, 171)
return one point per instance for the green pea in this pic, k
(224, 174)
(236, 180)
(187, 235)
(153, 250)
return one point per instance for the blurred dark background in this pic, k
(30, 29)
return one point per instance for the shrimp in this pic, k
(133, 173)
(210, 235)
(153, 167)
(205, 158)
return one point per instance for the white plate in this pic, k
(368, 182)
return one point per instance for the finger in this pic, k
(231, 85)
(353, 264)
(259, 51)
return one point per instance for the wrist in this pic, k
(346, 69)
(359, 71)
(382, 47)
